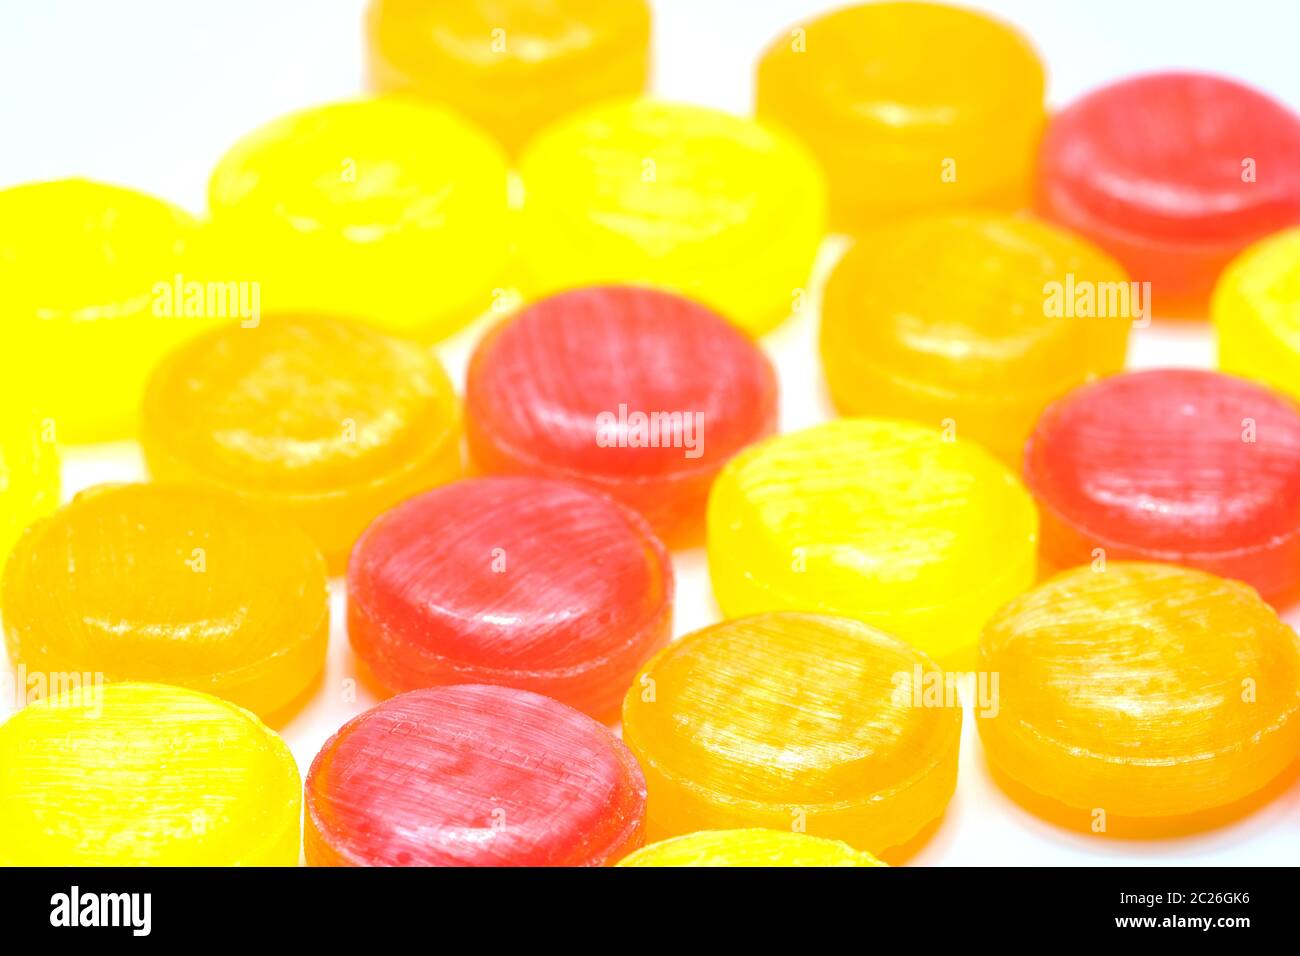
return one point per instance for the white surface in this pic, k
(149, 93)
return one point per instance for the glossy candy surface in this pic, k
(29, 476)
(1181, 465)
(751, 847)
(326, 422)
(715, 206)
(170, 583)
(514, 67)
(1145, 690)
(784, 720)
(1173, 174)
(385, 210)
(947, 317)
(88, 273)
(518, 581)
(1256, 311)
(641, 394)
(473, 775)
(145, 774)
(908, 106)
(882, 520)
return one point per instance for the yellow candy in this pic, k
(881, 520)
(325, 421)
(145, 774)
(751, 847)
(719, 208)
(384, 210)
(87, 272)
(1144, 690)
(159, 582)
(973, 319)
(511, 67)
(1256, 312)
(29, 476)
(790, 721)
(909, 106)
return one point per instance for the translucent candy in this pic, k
(170, 583)
(385, 210)
(908, 106)
(514, 67)
(324, 421)
(29, 475)
(1256, 311)
(641, 394)
(720, 208)
(519, 581)
(473, 775)
(1146, 690)
(752, 847)
(145, 774)
(89, 273)
(881, 520)
(1180, 465)
(793, 721)
(971, 319)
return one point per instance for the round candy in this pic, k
(1174, 174)
(325, 421)
(511, 68)
(29, 475)
(90, 274)
(639, 393)
(1256, 310)
(170, 583)
(519, 581)
(885, 521)
(976, 320)
(1179, 465)
(386, 210)
(473, 775)
(145, 775)
(1145, 690)
(793, 721)
(715, 206)
(908, 106)
(752, 847)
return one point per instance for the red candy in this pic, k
(520, 581)
(640, 393)
(473, 775)
(1173, 174)
(1192, 467)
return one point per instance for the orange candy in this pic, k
(1142, 690)
(325, 421)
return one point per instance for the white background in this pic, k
(149, 93)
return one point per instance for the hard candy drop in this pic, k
(885, 521)
(752, 847)
(29, 476)
(326, 422)
(473, 775)
(385, 210)
(783, 720)
(511, 68)
(1256, 311)
(170, 583)
(720, 208)
(1146, 690)
(908, 106)
(89, 272)
(1181, 465)
(641, 394)
(145, 775)
(976, 319)
(1173, 174)
(518, 581)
